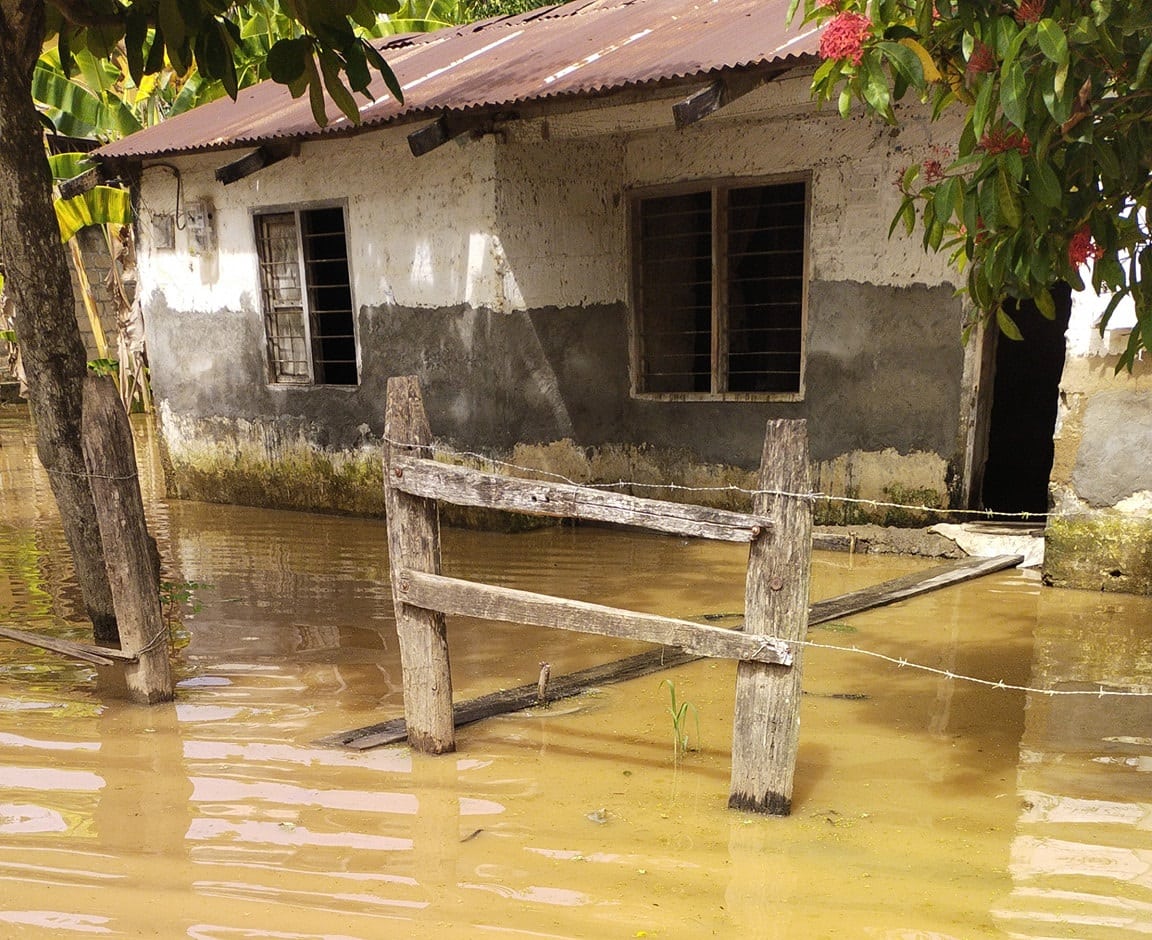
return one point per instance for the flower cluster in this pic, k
(933, 171)
(982, 60)
(843, 38)
(1082, 247)
(1030, 11)
(999, 140)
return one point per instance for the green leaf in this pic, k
(1053, 42)
(905, 62)
(875, 89)
(104, 205)
(135, 34)
(982, 109)
(907, 215)
(1007, 325)
(1043, 183)
(315, 92)
(1007, 199)
(1014, 95)
(391, 82)
(1045, 304)
(65, 166)
(1142, 68)
(844, 105)
(288, 59)
(330, 68)
(171, 22)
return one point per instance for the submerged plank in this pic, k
(845, 605)
(464, 486)
(519, 698)
(910, 585)
(97, 655)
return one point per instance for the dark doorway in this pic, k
(1024, 398)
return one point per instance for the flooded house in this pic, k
(612, 238)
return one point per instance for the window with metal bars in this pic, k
(719, 291)
(309, 318)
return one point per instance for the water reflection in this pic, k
(924, 807)
(1082, 854)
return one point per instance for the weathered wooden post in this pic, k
(129, 552)
(414, 545)
(766, 724)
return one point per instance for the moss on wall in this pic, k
(1099, 551)
(284, 472)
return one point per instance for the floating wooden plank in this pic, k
(97, 655)
(911, 585)
(466, 487)
(525, 696)
(488, 602)
(559, 687)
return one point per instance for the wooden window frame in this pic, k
(297, 211)
(719, 350)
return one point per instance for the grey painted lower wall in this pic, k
(550, 388)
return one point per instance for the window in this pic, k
(719, 290)
(308, 313)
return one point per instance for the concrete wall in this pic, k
(498, 271)
(1100, 536)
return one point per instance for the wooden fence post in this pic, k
(766, 724)
(129, 551)
(414, 544)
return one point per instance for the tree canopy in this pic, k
(1049, 176)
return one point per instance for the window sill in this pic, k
(720, 396)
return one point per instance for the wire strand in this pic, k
(814, 496)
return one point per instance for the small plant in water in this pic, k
(178, 598)
(679, 712)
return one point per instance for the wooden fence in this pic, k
(778, 531)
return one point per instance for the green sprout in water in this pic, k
(177, 599)
(679, 712)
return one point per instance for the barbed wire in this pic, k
(814, 496)
(903, 663)
(898, 661)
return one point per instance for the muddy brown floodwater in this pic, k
(924, 807)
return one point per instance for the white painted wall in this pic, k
(536, 217)
(420, 233)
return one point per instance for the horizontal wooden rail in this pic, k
(471, 599)
(97, 655)
(464, 486)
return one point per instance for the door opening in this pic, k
(1025, 394)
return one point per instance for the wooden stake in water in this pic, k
(129, 551)
(766, 724)
(414, 544)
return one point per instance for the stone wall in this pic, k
(1100, 535)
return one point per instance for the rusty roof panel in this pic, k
(581, 48)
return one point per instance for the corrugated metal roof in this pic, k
(581, 48)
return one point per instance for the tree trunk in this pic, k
(37, 277)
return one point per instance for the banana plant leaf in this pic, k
(103, 205)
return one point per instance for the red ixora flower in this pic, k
(1030, 11)
(999, 140)
(1082, 248)
(933, 171)
(843, 37)
(982, 60)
